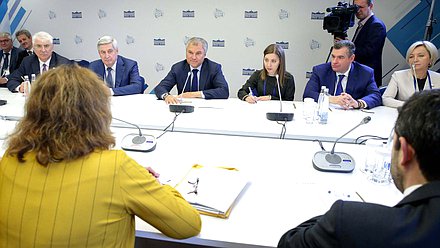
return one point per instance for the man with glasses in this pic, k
(202, 77)
(9, 57)
(43, 59)
(415, 220)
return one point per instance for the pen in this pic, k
(251, 94)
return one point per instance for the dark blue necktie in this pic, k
(339, 86)
(109, 78)
(195, 81)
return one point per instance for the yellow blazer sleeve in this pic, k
(159, 205)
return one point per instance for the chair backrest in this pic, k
(82, 62)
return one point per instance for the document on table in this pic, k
(212, 191)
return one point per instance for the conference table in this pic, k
(284, 189)
(234, 117)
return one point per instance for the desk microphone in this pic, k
(336, 161)
(137, 142)
(413, 68)
(181, 108)
(279, 116)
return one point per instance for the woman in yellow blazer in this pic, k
(62, 186)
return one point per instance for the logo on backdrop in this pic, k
(218, 13)
(52, 15)
(159, 42)
(218, 43)
(283, 44)
(247, 71)
(250, 14)
(56, 41)
(129, 14)
(159, 67)
(77, 15)
(158, 13)
(283, 14)
(129, 40)
(101, 14)
(314, 44)
(12, 15)
(78, 39)
(317, 15)
(248, 42)
(185, 40)
(188, 14)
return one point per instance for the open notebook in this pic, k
(212, 191)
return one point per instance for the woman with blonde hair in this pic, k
(61, 184)
(421, 55)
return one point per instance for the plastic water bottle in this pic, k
(26, 86)
(323, 104)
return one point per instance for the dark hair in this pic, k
(67, 116)
(278, 50)
(345, 43)
(419, 123)
(23, 31)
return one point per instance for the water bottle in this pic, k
(26, 86)
(323, 104)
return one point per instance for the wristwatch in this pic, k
(164, 95)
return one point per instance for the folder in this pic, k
(212, 191)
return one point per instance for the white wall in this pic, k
(278, 20)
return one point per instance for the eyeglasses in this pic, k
(195, 186)
(4, 41)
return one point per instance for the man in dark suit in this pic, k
(24, 37)
(202, 77)
(43, 59)
(350, 84)
(120, 74)
(9, 54)
(415, 220)
(369, 38)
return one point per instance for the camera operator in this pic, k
(369, 38)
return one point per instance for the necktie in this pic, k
(339, 86)
(195, 81)
(44, 68)
(358, 29)
(30, 52)
(5, 63)
(109, 78)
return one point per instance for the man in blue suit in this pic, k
(9, 57)
(369, 38)
(414, 221)
(119, 73)
(44, 58)
(351, 85)
(201, 77)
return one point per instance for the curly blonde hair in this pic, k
(67, 116)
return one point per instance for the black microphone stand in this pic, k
(431, 20)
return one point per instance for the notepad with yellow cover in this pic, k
(212, 191)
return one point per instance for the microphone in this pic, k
(413, 68)
(279, 116)
(336, 161)
(180, 108)
(137, 142)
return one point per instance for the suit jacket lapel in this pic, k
(351, 80)
(203, 78)
(120, 68)
(331, 75)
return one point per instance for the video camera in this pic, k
(340, 19)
